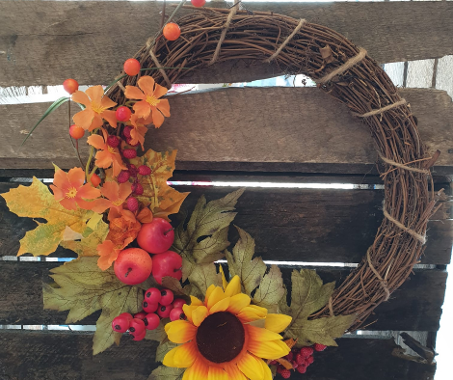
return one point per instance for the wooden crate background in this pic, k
(279, 135)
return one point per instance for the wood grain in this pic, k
(241, 129)
(416, 306)
(27, 355)
(43, 43)
(317, 225)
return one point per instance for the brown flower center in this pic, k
(71, 193)
(152, 100)
(220, 337)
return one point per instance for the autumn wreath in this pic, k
(230, 322)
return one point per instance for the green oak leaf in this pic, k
(167, 373)
(204, 275)
(82, 288)
(271, 290)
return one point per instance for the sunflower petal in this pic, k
(199, 315)
(181, 357)
(222, 305)
(269, 350)
(198, 371)
(224, 280)
(252, 313)
(251, 367)
(238, 302)
(216, 296)
(194, 301)
(180, 331)
(267, 371)
(234, 373)
(277, 322)
(208, 293)
(234, 287)
(216, 373)
(260, 334)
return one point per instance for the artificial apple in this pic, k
(156, 237)
(133, 266)
(167, 264)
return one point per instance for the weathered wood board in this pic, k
(416, 306)
(43, 43)
(248, 129)
(320, 225)
(51, 355)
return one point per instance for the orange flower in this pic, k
(138, 131)
(108, 253)
(69, 189)
(107, 156)
(117, 195)
(149, 100)
(96, 108)
(124, 227)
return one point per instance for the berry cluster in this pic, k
(156, 305)
(300, 359)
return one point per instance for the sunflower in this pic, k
(221, 339)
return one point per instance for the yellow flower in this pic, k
(220, 339)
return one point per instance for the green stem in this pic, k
(94, 169)
(87, 168)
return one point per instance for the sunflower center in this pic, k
(220, 337)
(71, 193)
(152, 100)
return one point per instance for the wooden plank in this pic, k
(242, 129)
(62, 40)
(288, 224)
(27, 355)
(416, 306)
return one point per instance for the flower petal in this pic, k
(181, 357)
(142, 109)
(97, 142)
(159, 91)
(238, 302)
(164, 107)
(81, 97)
(251, 367)
(76, 177)
(158, 118)
(267, 371)
(222, 305)
(96, 123)
(106, 102)
(252, 313)
(61, 180)
(110, 116)
(224, 280)
(269, 350)
(209, 290)
(216, 373)
(234, 373)
(103, 159)
(69, 204)
(133, 92)
(198, 371)
(57, 193)
(194, 301)
(233, 287)
(84, 118)
(95, 93)
(216, 296)
(180, 331)
(110, 190)
(277, 322)
(259, 334)
(199, 315)
(87, 191)
(146, 83)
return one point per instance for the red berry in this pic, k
(152, 295)
(70, 85)
(136, 326)
(310, 360)
(164, 311)
(319, 347)
(113, 141)
(273, 362)
(280, 368)
(131, 67)
(198, 3)
(167, 297)
(149, 307)
(300, 359)
(306, 351)
(140, 315)
(132, 204)
(171, 31)
(129, 153)
(127, 315)
(139, 336)
(123, 176)
(95, 180)
(152, 321)
(120, 324)
(295, 364)
(137, 189)
(301, 369)
(289, 357)
(178, 303)
(144, 170)
(123, 113)
(132, 170)
(76, 132)
(286, 374)
(176, 314)
(127, 132)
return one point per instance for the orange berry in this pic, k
(95, 180)
(76, 132)
(70, 85)
(198, 3)
(131, 67)
(171, 31)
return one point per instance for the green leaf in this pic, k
(204, 275)
(174, 285)
(158, 334)
(271, 290)
(163, 349)
(206, 234)
(83, 289)
(57, 103)
(87, 246)
(167, 373)
(241, 262)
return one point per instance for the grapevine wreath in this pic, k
(162, 283)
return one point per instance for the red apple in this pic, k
(167, 264)
(133, 266)
(156, 237)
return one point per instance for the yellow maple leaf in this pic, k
(36, 201)
(162, 199)
(87, 246)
